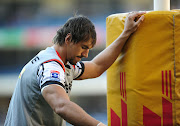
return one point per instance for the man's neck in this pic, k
(62, 52)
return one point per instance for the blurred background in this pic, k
(28, 26)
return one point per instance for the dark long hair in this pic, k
(81, 29)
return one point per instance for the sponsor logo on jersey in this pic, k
(55, 74)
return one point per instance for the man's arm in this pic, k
(107, 57)
(59, 101)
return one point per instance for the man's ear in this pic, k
(68, 38)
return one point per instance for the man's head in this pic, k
(79, 35)
(79, 27)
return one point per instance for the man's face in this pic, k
(77, 51)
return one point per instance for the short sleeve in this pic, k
(78, 69)
(50, 73)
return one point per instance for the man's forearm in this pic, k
(75, 115)
(107, 57)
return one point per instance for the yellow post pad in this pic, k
(143, 85)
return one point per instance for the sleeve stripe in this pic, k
(61, 64)
(52, 82)
(83, 67)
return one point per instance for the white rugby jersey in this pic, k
(52, 73)
(27, 106)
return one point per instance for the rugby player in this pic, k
(41, 96)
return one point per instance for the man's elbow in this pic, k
(100, 71)
(99, 74)
(60, 108)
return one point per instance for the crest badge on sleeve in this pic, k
(55, 74)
